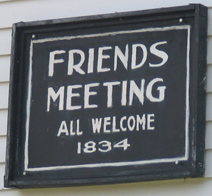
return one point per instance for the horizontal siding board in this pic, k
(209, 107)
(209, 78)
(208, 139)
(2, 168)
(5, 0)
(208, 163)
(210, 21)
(3, 149)
(208, 135)
(4, 68)
(4, 89)
(209, 50)
(5, 41)
(3, 122)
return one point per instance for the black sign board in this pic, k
(108, 99)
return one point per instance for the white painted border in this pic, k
(129, 163)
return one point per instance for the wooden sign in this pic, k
(108, 99)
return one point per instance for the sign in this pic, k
(107, 99)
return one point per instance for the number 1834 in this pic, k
(101, 146)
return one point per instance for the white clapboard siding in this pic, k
(4, 68)
(209, 79)
(3, 122)
(209, 50)
(32, 10)
(208, 159)
(5, 0)
(4, 90)
(3, 149)
(208, 106)
(5, 41)
(209, 21)
(208, 136)
(2, 168)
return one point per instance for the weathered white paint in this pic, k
(3, 122)
(2, 166)
(209, 49)
(208, 143)
(209, 79)
(4, 89)
(5, 41)
(4, 68)
(210, 22)
(3, 149)
(209, 105)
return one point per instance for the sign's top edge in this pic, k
(195, 8)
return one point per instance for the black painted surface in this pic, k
(165, 146)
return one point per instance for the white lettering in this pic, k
(138, 92)
(71, 128)
(53, 61)
(114, 129)
(90, 60)
(77, 131)
(122, 122)
(122, 57)
(110, 92)
(124, 93)
(70, 95)
(102, 56)
(63, 129)
(140, 121)
(131, 123)
(96, 124)
(88, 93)
(161, 90)
(158, 53)
(76, 67)
(150, 118)
(78, 128)
(134, 55)
(106, 123)
(54, 96)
